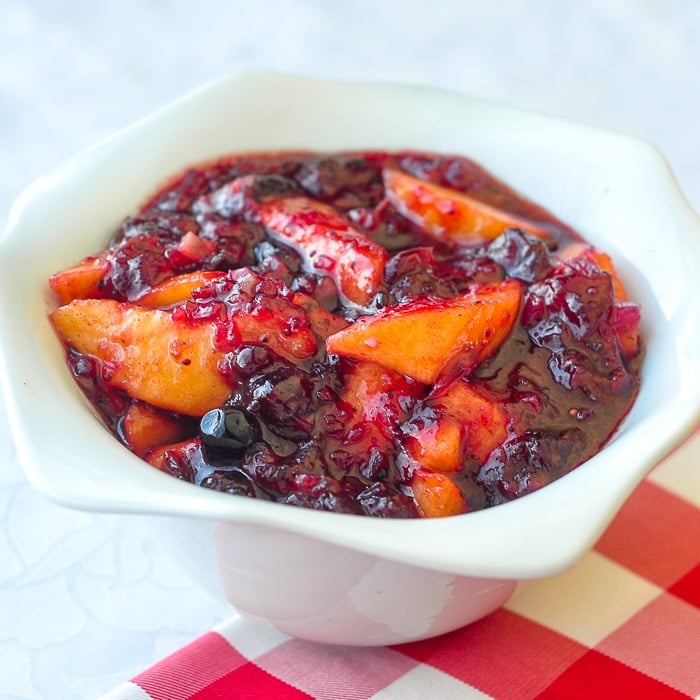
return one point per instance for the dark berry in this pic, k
(523, 256)
(229, 430)
(273, 186)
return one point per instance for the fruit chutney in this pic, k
(389, 334)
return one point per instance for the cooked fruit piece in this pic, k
(436, 495)
(447, 214)
(465, 423)
(329, 244)
(437, 444)
(145, 428)
(82, 281)
(625, 316)
(180, 459)
(193, 248)
(378, 396)
(484, 420)
(177, 289)
(147, 355)
(420, 338)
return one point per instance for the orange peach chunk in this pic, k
(466, 424)
(146, 354)
(447, 214)
(484, 420)
(80, 281)
(372, 391)
(145, 428)
(177, 289)
(419, 339)
(438, 446)
(436, 495)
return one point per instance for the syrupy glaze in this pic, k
(305, 427)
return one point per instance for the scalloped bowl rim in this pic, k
(599, 181)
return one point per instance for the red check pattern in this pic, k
(623, 623)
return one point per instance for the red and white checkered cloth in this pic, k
(623, 623)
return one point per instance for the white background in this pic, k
(87, 601)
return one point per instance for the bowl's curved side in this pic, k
(616, 190)
(324, 593)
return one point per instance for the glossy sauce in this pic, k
(288, 432)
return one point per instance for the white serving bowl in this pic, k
(324, 576)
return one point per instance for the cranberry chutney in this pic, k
(394, 335)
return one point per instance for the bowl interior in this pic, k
(615, 190)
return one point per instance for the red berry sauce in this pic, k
(306, 428)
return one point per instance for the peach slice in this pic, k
(81, 281)
(375, 394)
(177, 289)
(419, 339)
(484, 420)
(447, 214)
(436, 495)
(438, 445)
(466, 423)
(145, 428)
(146, 354)
(329, 243)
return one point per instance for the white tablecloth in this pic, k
(88, 600)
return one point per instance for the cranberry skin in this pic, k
(164, 226)
(278, 261)
(136, 265)
(320, 492)
(578, 296)
(326, 178)
(524, 257)
(282, 399)
(253, 358)
(467, 268)
(273, 186)
(179, 196)
(233, 481)
(90, 375)
(527, 462)
(382, 501)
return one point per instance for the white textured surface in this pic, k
(87, 601)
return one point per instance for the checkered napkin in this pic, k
(623, 623)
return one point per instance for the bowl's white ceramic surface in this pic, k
(323, 576)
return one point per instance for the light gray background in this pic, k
(87, 601)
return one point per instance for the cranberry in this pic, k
(527, 462)
(233, 481)
(522, 255)
(231, 430)
(325, 178)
